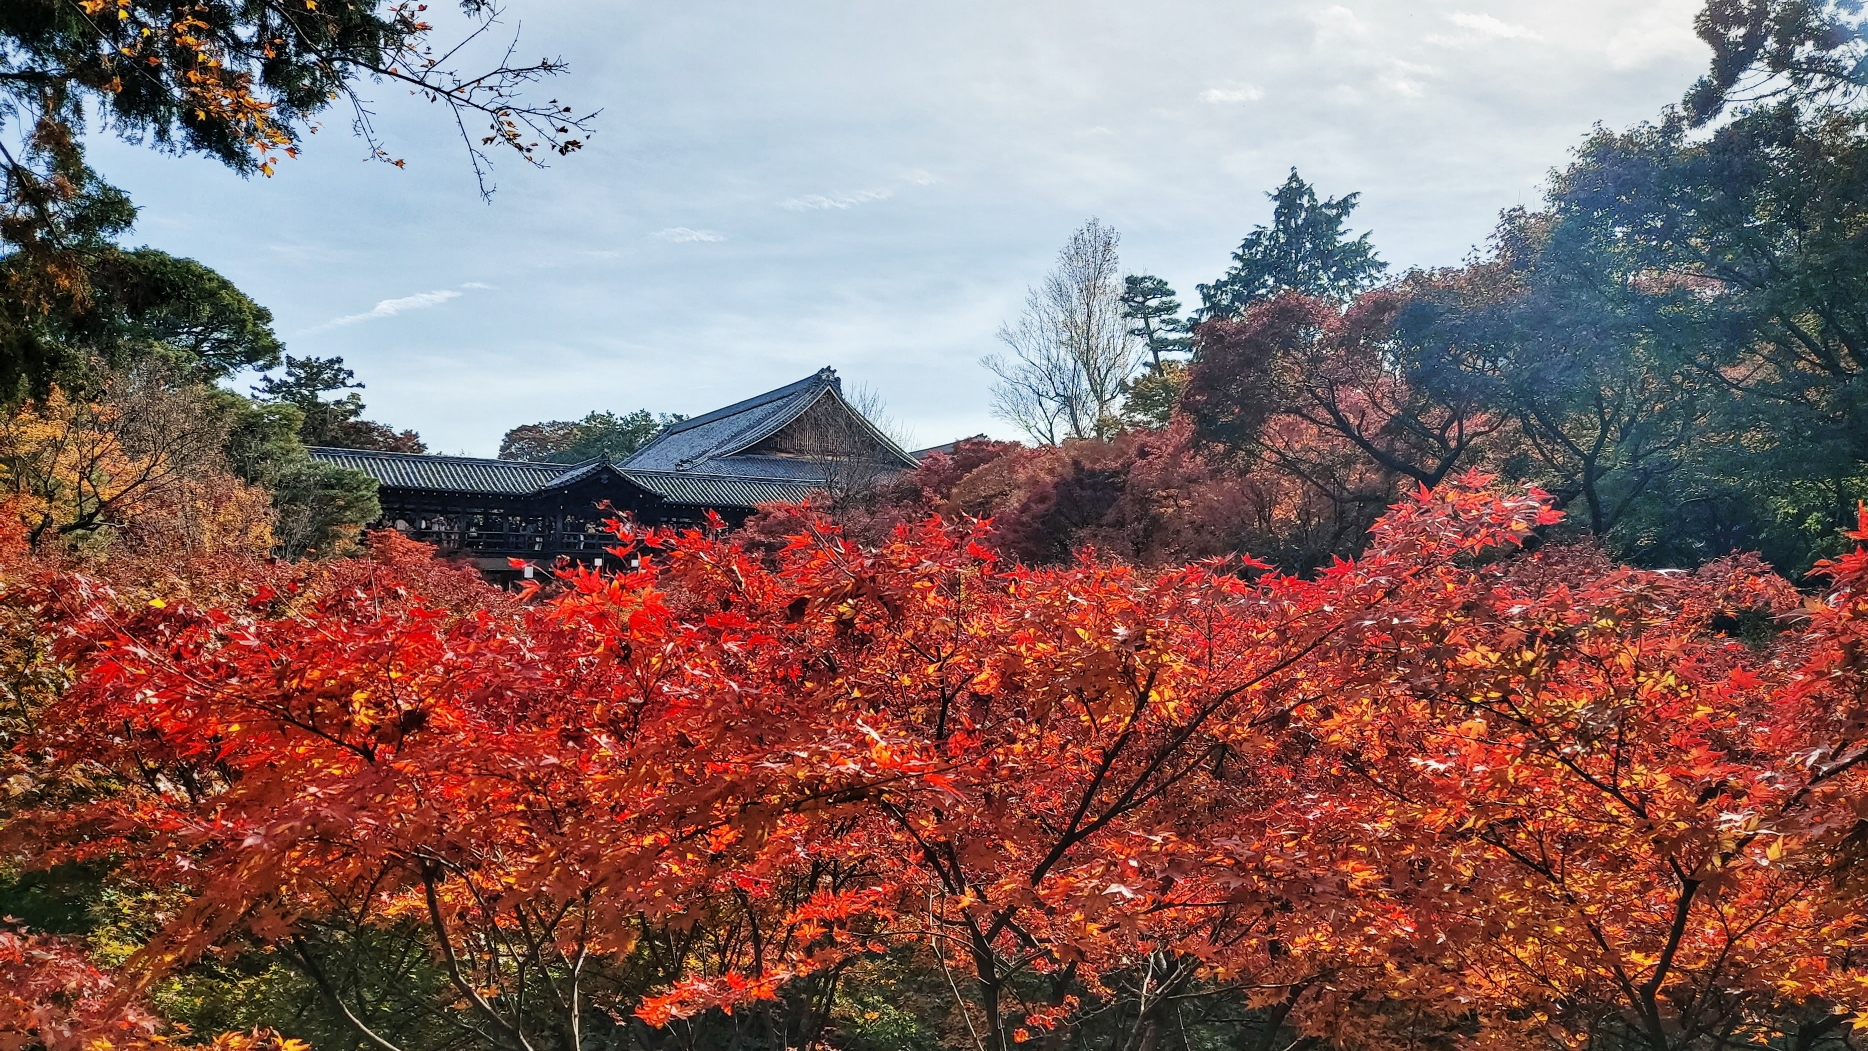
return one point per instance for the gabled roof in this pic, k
(701, 462)
(716, 442)
(467, 474)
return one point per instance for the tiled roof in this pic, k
(464, 474)
(708, 444)
(948, 449)
(747, 465)
(699, 462)
(723, 431)
(454, 474)
(576, 473)
(706, 490)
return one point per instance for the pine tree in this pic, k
(1149, 302)
(336, 424)
(1304, 250)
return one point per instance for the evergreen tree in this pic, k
(1149, 302)
(338, 423)
(320, 506)
(79, 305)
(1304, 250)
(1809, 52)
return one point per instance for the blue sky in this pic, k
(774, 187)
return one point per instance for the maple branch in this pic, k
(1070, 838)
(1557, 750)
(986, 976)
(1650, 989)
(965, 1012)
(494, 94)
(1279, 1011)
(951, 881)
(318, 977)
(1810, 1032)
(448, 957)
(1127, 800)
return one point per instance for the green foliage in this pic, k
(320, 506)
(1149, 302)
(875, 1023)
(50, 240)
(337, 423)
(58, 900)
(893, 1004)
(1812, 50)
(1556, 334)
(574, 441)
(1154, 395)
(190, 314)
(1701, 387)
(77, 304)
(1306, 250)
(388, 974)
(249, 991)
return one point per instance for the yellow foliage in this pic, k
(143, 461)
(214, 513)
(62, 466)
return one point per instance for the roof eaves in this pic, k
(380, 454)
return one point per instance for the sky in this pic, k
(776, 187)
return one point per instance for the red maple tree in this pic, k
(1449, 792)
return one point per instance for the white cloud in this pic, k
(820, 202)
(476, 284)
(1002, 125)
(1337, 20)
(1660, 31)
(1486, 27)
(682, 235)
(392, 307)
(1344, 94)
(1245, 93)
(1406, 79)
(919, 178)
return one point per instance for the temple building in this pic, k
(778, 447)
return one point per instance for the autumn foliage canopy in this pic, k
(1453, 793)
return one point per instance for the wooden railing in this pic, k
(519, 544)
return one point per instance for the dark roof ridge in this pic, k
(753, 435)
(726, 431)
(554, 465)
(575, 472)
(825, 377)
